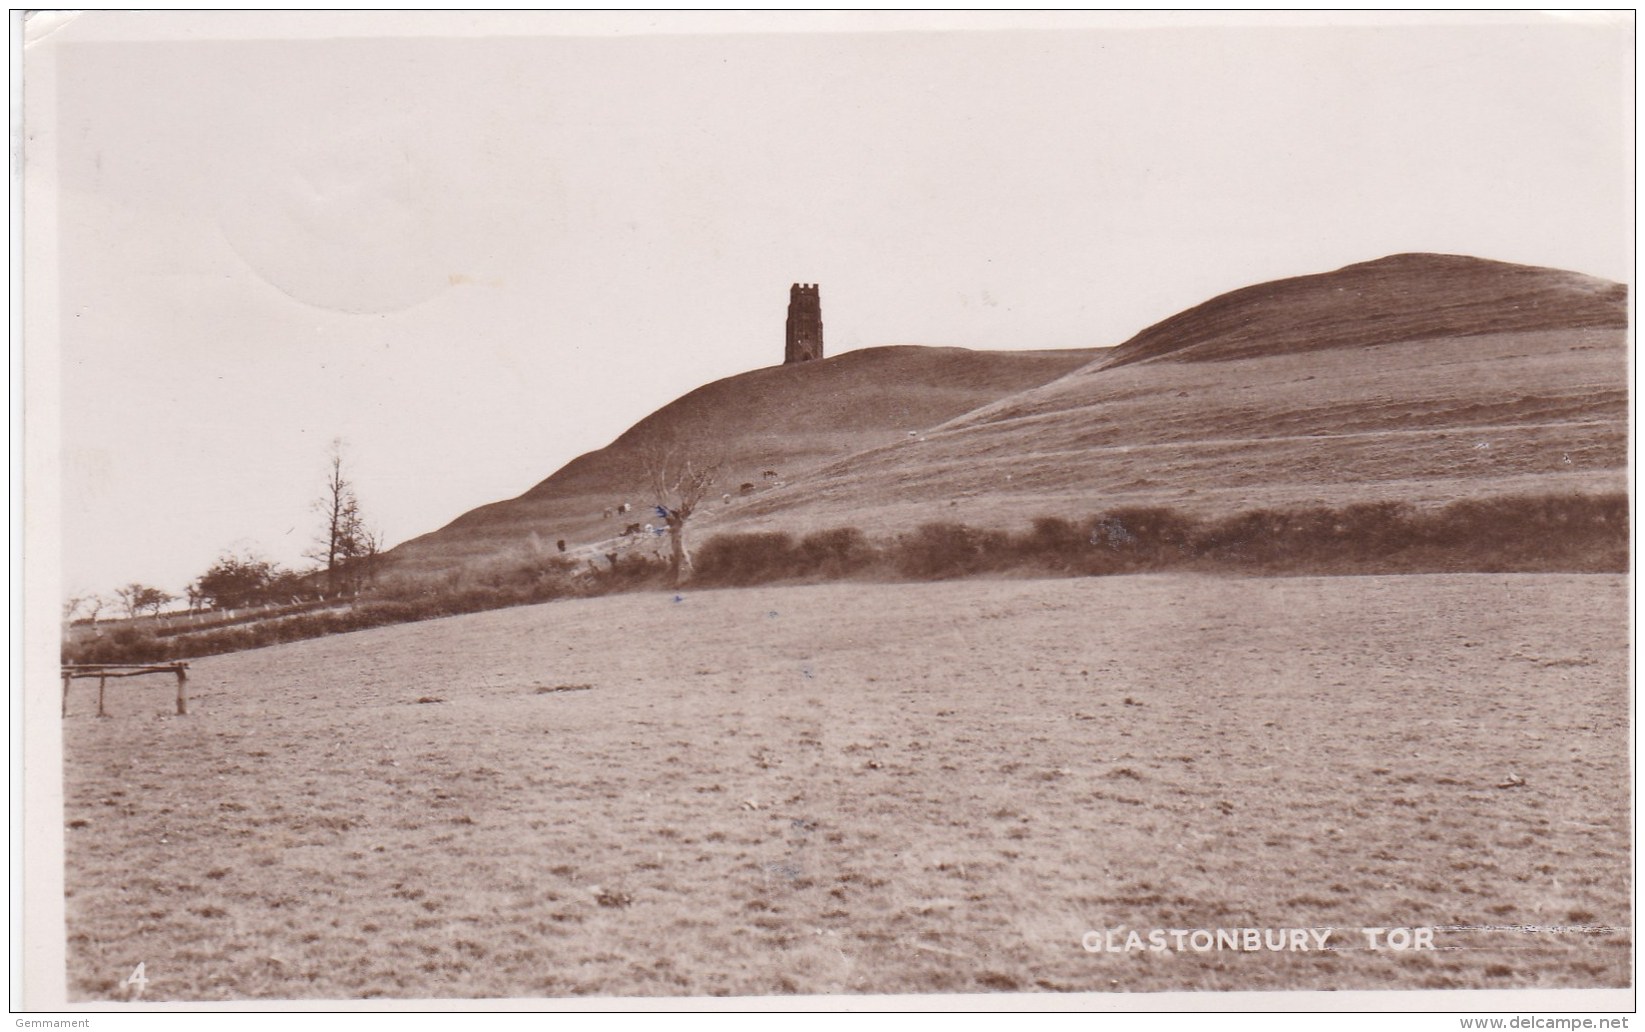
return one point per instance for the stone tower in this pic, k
(804, 324)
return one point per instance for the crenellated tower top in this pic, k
(805, 334)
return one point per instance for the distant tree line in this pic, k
(345, 551)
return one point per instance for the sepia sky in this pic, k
(477, 254)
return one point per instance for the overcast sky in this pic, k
(476, 258)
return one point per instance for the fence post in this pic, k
(182, 692)
(66, 679)
(102, 679)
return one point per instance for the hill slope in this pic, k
(1400, 298)
(784, 419)
(1423, 378)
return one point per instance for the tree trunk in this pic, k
(680, 561)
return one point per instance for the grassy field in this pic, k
(874, 788)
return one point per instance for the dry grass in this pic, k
(1399, 298)
(785, 419)
(1420, 379)
(873, 788)
(1425, 422)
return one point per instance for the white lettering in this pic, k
(1246, 940)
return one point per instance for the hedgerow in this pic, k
(1510, 534)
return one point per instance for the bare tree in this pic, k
(345, 547)
(134, 598)
(127, 596)
(361, 568)
(679, 478)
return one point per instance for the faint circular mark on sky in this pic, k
(356, 226)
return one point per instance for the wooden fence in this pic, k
(104, 671)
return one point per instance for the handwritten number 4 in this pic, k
(135, 982)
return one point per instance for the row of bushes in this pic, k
(729, 560)
(143, 645)
(1523, 533)
(403, 600)
(1572, 533)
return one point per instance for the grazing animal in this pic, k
(725, 499)
(632, 528)
(623, 508)
(769, 474)
(560, 544)
(746, 488)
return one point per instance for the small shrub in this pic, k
(632, 573)
(772, 556)
(1257, 538)
(742, 559)
(836, 553)
(1053, 544)
(1379, 528)
(122, 645)
(1141, 537)
(938, 551)
(1580, 533)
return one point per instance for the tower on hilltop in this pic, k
(804, 324)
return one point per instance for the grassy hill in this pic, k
(1418, 378)
(1421, 378)
(1404, 297)
(784, 419)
